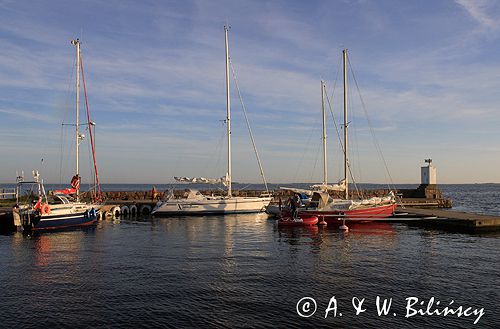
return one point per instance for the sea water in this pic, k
(244, 271)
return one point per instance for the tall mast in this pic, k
(76, 43)
(346, 169)
(325, 169)
(228, 117)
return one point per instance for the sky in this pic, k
(427, 73)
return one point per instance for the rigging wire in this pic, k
(90, 124)
(341, 142)
(337, 129)
(61, 150)
(91, 186)
(248, 126)
(303, 154)
(318, 147)
(372, 131)
(334, 88)
(353, 140)
(218, 152)
(63, 130)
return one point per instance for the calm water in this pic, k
(242, 271)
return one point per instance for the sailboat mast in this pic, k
(346, 169)
(76, 43)
(228, 117)
(325, 169)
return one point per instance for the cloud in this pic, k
(27, 115)
(478, 10)
(155, 76)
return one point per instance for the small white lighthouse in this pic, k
(428, 173)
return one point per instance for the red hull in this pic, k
(307, 220)
(355, 215)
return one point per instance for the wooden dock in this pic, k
(454, 220)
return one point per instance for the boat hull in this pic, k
(58, 222)
(307, 220)
(275, 210)
(361, 215)
(209, 206)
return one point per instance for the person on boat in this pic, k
(294, 205)
(75, 182)
(16, 216)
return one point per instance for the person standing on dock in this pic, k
(16, 216)
(154, 194)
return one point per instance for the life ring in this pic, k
(45, 209)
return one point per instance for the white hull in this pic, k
(212, 206)
(59, 216)
(71, 208)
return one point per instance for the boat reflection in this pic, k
(57, 248)
(370, 228)
(301, 235)
(318, 236)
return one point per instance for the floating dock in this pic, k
(454, 221)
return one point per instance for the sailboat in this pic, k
(337, 211)
(61, 209)
(196, 203)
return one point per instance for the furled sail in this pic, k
(297, 190)
(202, 180)
(335, 187)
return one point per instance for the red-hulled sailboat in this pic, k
(338, 211)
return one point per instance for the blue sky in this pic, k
(428, 72)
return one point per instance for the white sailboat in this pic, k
(60, 209)
(197, 204)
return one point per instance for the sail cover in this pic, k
(202, 180)
(325, 187)
(297, 190)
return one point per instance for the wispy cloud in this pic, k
(479, 10)
(155, 77)
(27, 115)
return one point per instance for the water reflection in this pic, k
(316, 236)
(149, 272)
(300, 235)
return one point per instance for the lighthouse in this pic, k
(428, 173)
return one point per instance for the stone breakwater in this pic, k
(150, 195)
(424, 196)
